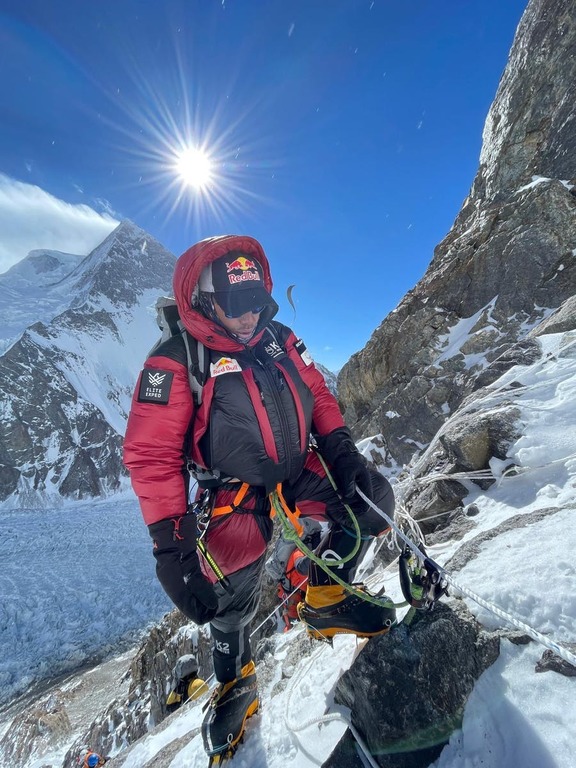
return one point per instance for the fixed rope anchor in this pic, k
(559, 650)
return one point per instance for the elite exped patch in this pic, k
(155, 386)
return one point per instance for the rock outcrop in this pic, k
(149, 680)
(417, 679)
(37, 730)
(151, 677)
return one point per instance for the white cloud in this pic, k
(32, 218)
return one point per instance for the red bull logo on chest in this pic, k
(224, 365)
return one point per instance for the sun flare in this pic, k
(194, 168)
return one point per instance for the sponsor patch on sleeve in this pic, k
(155, 386)
(303, 352)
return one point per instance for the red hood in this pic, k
(186, 276)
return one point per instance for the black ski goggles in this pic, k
(242, 302)
(253, 310)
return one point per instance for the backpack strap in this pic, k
(197, 357)
(198, 361)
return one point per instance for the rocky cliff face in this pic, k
(74, 332)
(507, 263)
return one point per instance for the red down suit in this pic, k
(259, 405)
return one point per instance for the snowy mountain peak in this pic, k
(71, 349)
(35, 290)
(41, 267)
(125, 264)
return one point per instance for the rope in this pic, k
(480, 474)
(296, 589)
(328, 718)
(511, 472)
(292, 535)
(564, 653)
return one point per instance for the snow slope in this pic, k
(99, 555)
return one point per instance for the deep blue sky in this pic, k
(346, 133)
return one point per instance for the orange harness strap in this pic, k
(292, 516)
(241, 494)
(242, 491)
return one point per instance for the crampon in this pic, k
(227, 711)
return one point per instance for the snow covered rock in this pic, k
(407, 690)
(149, 679)
(469, 441)
(38, 729)
(330, 378)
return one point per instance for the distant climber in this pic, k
(186, 684)
(89, 759)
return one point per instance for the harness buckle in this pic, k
(206, 478)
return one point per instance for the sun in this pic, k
(194, 168)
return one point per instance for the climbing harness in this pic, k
(205, 511)
(420, 578)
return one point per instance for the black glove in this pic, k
(350, 470)
(178, 568)
(348, 465)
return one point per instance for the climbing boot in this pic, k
(229, 707)
(328, 610)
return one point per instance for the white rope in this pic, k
(559, 650)
(478, 474)
(482, 474)
(519, 470)
(410, 523)
(564, 653)
(328, 718)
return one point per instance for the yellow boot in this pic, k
(329, 610)
(227, 711)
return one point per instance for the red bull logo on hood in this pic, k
(248, 270)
